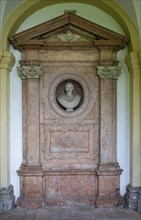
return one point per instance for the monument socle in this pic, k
(69, 73)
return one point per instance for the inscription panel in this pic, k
(65, 144)
(63, 141)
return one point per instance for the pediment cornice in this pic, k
(68, 30)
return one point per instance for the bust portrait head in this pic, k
(69, 99)
(69, 88)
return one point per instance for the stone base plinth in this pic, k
(133, 197)
(31, 203)
(31, 181)
(109, 185)
(7, 198)
(55, 188)
(76, 201)
(103, 202)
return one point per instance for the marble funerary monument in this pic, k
(69, 73)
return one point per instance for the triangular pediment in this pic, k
(67, 30)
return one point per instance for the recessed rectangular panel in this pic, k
(68, 145)
(70, 185)
(69, 141)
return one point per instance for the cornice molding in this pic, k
(67, 26)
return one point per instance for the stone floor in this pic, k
(71, 214)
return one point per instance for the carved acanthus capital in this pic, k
(109, 72)
(29, 72)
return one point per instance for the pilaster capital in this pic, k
(109, 72)
(7, 60)
(33, 72)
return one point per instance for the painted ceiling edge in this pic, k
(28, 7)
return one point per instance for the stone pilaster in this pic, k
(31, 74)
(109, 170)
(133, 189)
(30, 172)
(108, 112)
(7, 61)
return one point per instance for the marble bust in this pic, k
(69, 100)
